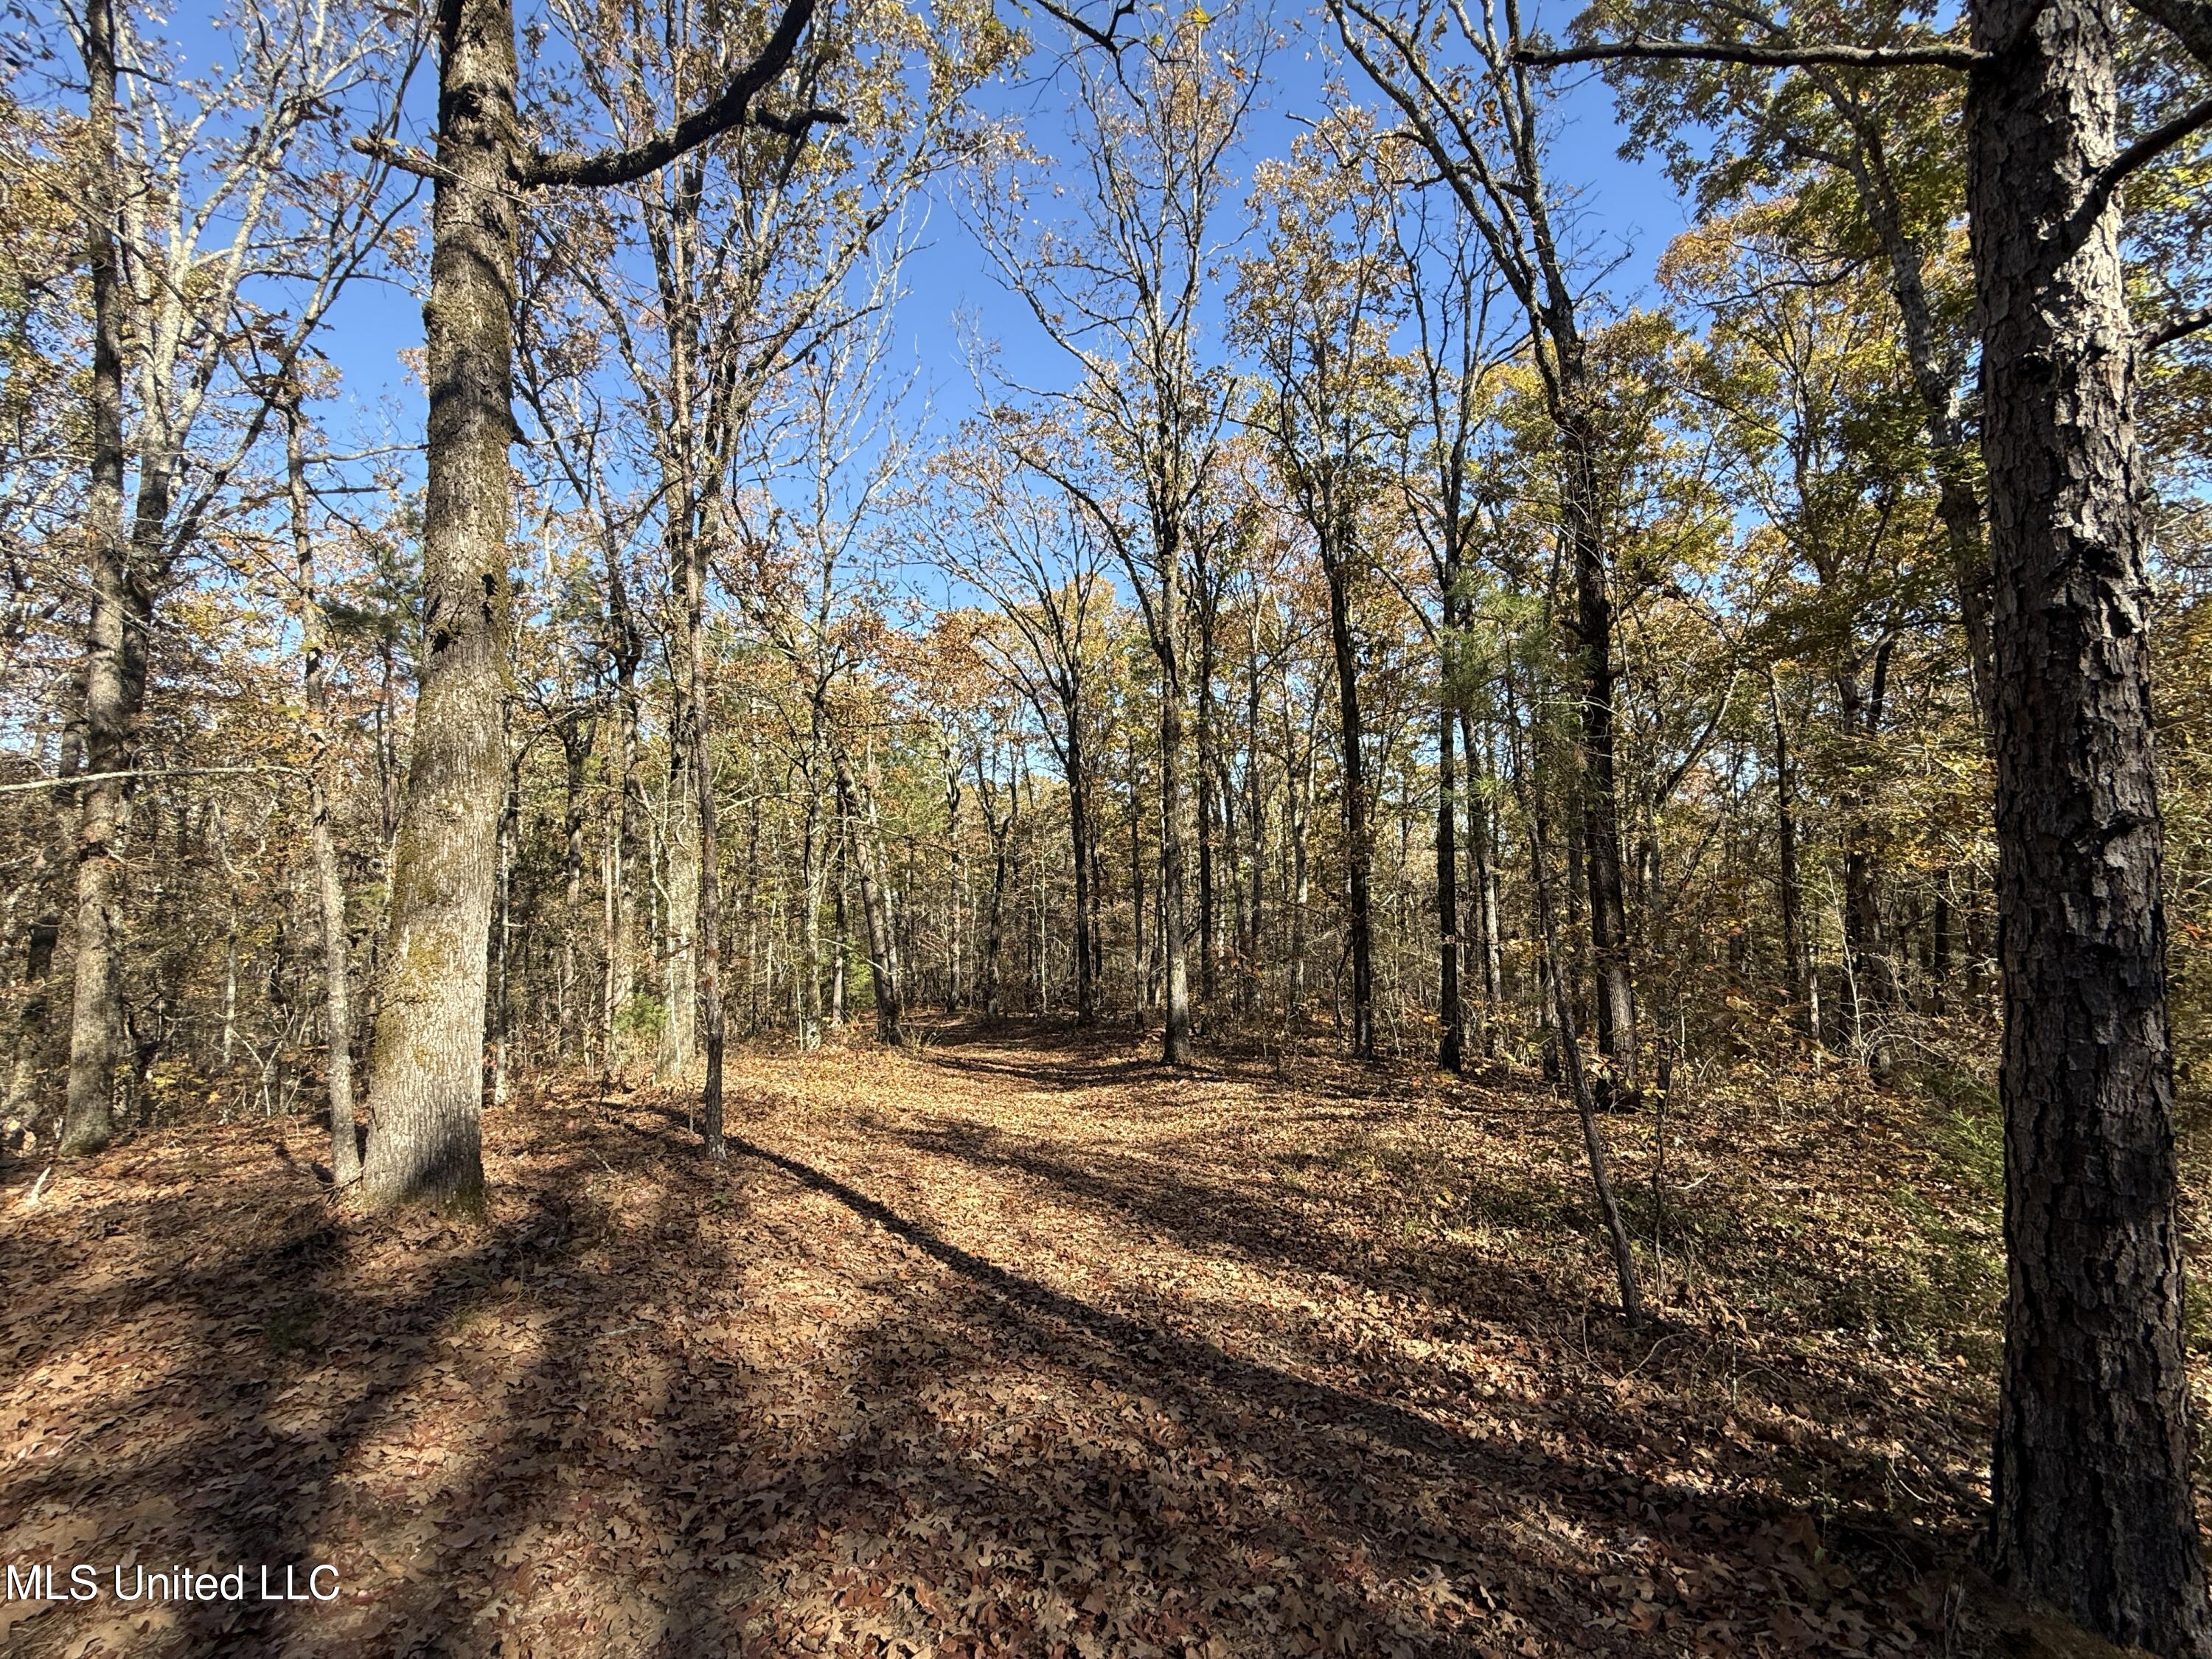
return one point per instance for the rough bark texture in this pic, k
(2091, 1495)
(426, 1065)
(86, 1122)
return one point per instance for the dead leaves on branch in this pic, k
(1007, 1347)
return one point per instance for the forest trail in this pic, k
(1010, 1343)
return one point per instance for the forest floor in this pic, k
(1014, 1343)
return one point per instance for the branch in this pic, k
(380, 149)
(1108, 37)
(2177, 327)
(2148, 148)
(76, 779)
(732, 109)
(2188, 21)
(1725, 52)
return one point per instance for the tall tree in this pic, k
(1123, 296)
(1477, 122)
(2092, 1510)
(198, 199)
(427, 1058)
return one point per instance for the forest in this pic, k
(953, 828)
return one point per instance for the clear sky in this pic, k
(1628, 211)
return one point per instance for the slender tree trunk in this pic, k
(1794, 960)
(1139, 970)
(1255, 829)
(1600, 802)
(503, 940)
(709, 928)
(875, 920)
(1087, 897)
(1359, 924)
(2091, 1503)
(425, 1144)
(330, 884)
(576, 748)
(1571, 1058)
(1175, 1039)
(1451, 1045)
(1208, 814)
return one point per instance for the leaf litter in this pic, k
(1013, 1344)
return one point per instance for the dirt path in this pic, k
(1012, 1345)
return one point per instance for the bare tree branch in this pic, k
(2179, 327)
(1726, 52)
(2188, 21)
(733, 109)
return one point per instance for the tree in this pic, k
(174, 316)
(1316, 306)
(1122, 297)
(1478, 126)
(2092, 1505)
(427, 1058)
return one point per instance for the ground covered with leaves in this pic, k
(1014, 1343)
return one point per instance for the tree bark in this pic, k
(425, 1145)
(86, 1119)
(2091, 1503)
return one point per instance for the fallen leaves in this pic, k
(998, 1347)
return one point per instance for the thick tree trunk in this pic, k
(2091, 1503)
(426, 1073)
(86, 1123)
(330, 883)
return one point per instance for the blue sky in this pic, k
(1628, 211)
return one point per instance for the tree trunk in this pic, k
(425, 1144)
(330, 884)
(1359, 924)
(709, 928)
(2090, 1489)
(1793, 957)
(1175, 1039)
(86, 1123)
(1087, 896)
(1451, 1045)
(1600, 795)
(576, 748)
(883, 961)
